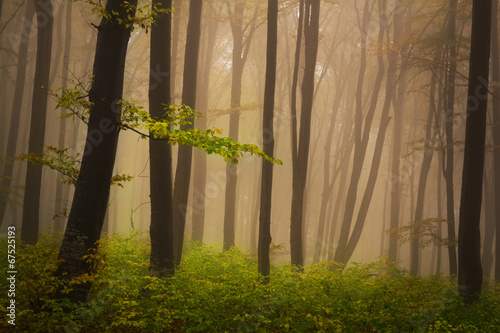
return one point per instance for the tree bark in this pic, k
(92, 188)
(264, 266)
(31, 203)
(470, 274)
(311, 33)
(495, 68)
(162, 224)
(183, 170)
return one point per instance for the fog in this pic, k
(378, 155)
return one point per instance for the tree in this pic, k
(92, 188)
(348, 242)
(31, 203)
(183, 170)
(449, 119)
(12, 141)
(495, 68)
(241, 46)
(264, 242)
(199, 157)
(301, 159)
(470, 275)
(162, 224)
(61, 192)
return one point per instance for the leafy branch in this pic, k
(67, 165)
(168, 127)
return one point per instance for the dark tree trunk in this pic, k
(31, 204)
(470, 274)
(15, 118)
(162, 224)
(61, 189)
(449, 119)
(264, 266)
(311, 32)
(92, 187)
(183, 170)
(495, 67)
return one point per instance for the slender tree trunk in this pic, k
(59, 218)
(470, 274)
(449, 118)
(162, 224)
(487, 257)
(240, 52)
(264, 266)
(8, 169)
(311, 33)
(361, 137)
(31, 204)
(495, 64)
(183, 170)
(328, 183)
(92, 188)
(200, 157)
(397, 138)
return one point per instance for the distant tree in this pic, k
(347, 240)
(199, 157)
(264, 242)
(61, 191)
(450, 146)
(92, 188)
(31, 203)
(301, 158)
(470, 274)
(241, 47)
(183, 170)
(12, 140)
(160, 154)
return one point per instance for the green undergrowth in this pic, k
(215, 291)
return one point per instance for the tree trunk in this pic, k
(8, 169)
(311, 33)
(183, 170)
(495, 67)
(361, 136)
(264, 266)
(91, 195)
(396, 178)
(470, 274)
(422, 180)
(200, 157)
(61, 189)
(31, 204)
(162, 224)
(240, 52)
(449, 119)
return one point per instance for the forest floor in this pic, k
(215, 291)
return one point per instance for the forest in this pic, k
(250, 166)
